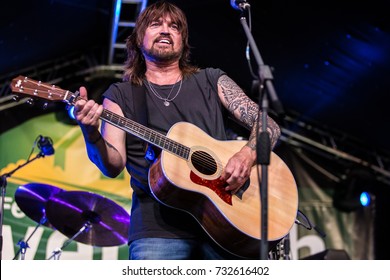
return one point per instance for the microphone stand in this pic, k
(263, 145)
(3, 185)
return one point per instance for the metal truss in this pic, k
(125, 14)
(336, 146)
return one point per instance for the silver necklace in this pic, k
(166, 100)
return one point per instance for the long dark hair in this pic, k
(135, 67)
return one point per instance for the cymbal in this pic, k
(32, 198)
(70, 211)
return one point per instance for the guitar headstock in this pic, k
(23, 86)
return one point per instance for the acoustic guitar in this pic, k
(186, 176)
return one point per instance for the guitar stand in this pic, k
(24, 245)
(57, 252)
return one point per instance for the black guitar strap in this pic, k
(140, 108)
(141, 116)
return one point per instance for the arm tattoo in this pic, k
(246, 111)
(238, 104)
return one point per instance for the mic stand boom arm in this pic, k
(263, 146)
(3, 185)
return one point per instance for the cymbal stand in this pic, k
(57, 252)
(24, 244)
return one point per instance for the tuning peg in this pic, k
(30, 101)
(16, 98)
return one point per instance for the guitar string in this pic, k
(209, 163)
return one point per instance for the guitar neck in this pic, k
(36, 89)
(146, 134)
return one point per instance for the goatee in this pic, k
(161, 54)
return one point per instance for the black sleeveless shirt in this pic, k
(197, 103)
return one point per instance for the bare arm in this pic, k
(106, 150)
(238, 169)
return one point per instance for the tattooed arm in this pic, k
(246, 112)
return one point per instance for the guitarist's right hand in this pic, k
(87, 114)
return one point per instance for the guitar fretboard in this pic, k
(24, 86)
(146, 134)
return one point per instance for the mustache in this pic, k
(164, 37)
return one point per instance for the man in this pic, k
(172, 91)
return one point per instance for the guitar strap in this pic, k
(141, 116)
(140, 108)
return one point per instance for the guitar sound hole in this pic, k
(204, 163)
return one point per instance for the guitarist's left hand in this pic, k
(238, 169)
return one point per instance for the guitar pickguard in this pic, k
(216, 185)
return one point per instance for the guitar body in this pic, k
(232, 221)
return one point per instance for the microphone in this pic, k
(240, 5)
(45, 144)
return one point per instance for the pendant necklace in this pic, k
(166, 100)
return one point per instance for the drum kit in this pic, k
(82, 216)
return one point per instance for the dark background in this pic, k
(330, 62)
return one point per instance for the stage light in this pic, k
(365, 199)
(354, 192)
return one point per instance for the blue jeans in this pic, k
(175, 249)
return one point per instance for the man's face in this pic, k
(162, 41)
